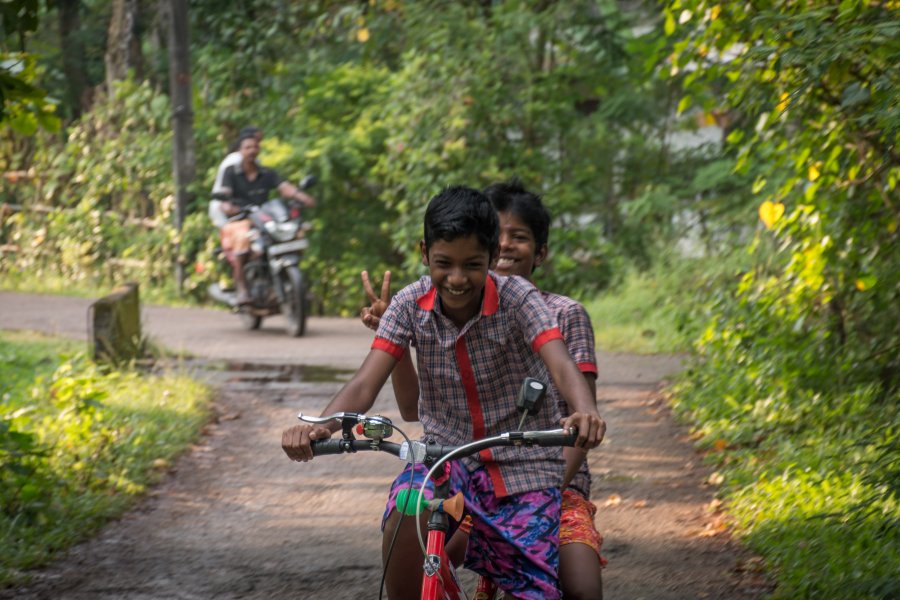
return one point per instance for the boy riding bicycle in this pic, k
(472, 330)
(524, 234)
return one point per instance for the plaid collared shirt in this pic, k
(469, 378)
(577, 332)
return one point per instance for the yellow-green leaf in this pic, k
(770, 213)
(814, 172)
(866, 282)
(669, 26)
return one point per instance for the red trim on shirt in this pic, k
(474, 404)
(587, 367)
(471, 387)
(489, 306)
(388, 346)
(493, 471)
(491, 302)
(549, 335)
(426, 300)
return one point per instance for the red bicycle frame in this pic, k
(439, 580)
(439, 577)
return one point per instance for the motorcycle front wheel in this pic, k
(250, 321)
(294, 306)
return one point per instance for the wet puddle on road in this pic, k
(266, 373)
(249, 374)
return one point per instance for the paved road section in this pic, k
(199, 332)
(236, 520)
(218, 335)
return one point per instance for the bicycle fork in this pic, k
(439, 577)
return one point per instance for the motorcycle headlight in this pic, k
(284, 232)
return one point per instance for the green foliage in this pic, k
(110, 188)
(387, 104)
(482, 96)
(661, 309)
(811, 471)
(341, 140)
(78, 444)
(23, 106)
(799, 374)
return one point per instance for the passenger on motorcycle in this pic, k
(243, 185)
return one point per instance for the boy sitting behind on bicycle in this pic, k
(524, 233)
(471, 330)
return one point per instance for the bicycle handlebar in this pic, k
(339, 446)
(428, 452)
(376, 428)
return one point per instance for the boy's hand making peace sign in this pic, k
(371, 315)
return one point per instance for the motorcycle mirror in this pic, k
(307, 182)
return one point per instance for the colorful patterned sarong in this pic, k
(514, 540)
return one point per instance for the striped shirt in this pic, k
(469, 377)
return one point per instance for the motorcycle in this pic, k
(274, 279)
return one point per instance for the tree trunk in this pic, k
(183, 157)
(123, 50)
(73, 56)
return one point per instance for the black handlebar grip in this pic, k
(557, 439)
(330, 446)
(342, 446)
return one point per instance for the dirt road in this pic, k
(236, 520)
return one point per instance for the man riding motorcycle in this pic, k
(216, 215)
(248, 184)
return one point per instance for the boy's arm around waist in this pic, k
(358, 395)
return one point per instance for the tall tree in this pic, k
(72, 50)
(123, 47)
(183, 157)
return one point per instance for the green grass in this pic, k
(57, 285)
(660, 310)
(810, 456)
(811, 477)
(804, 520)
(79, 443)
(639, 316)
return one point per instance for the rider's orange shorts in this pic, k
(235, 236)
(577, 523)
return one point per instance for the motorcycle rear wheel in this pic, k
(294, 306)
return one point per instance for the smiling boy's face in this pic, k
(518, 255)
(458, 270)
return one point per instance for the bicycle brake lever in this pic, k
(335, 417)
(347, 420)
